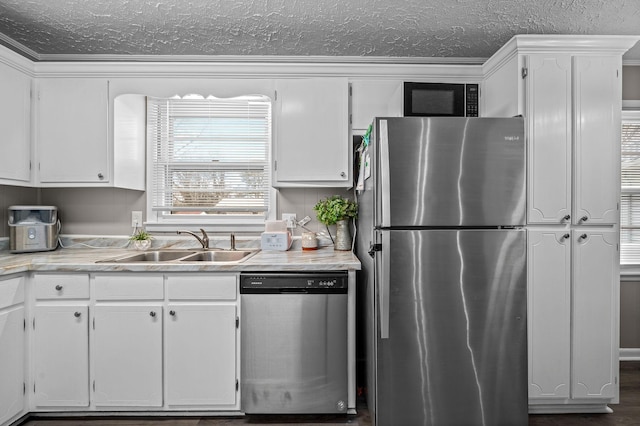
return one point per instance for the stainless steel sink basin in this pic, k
(219, 256)
(151, 256)
(160, 256)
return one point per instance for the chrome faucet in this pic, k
(204, 241)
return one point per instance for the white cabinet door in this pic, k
(72, 128)
(549, 313)
(597, 108)
(12, 357)
(15, 122)
(548, 110)
(595, 306)
(128, 355)
(201, 354)
(61, 356)
(374, 98)
(311, 137)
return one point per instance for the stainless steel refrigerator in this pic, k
(443, 252)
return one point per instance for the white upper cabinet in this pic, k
(374, 98)
(548, 88)
(311, 133)
(573, 108)
(597, 107)
(72, 132)
(15, 122)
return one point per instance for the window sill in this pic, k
(256, 227)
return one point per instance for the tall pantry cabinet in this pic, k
(571, 99)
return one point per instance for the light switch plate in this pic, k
(136, 219)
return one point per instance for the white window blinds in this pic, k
(630, 194)
(209, 156)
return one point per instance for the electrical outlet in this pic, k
(136, 219)
(290, 218)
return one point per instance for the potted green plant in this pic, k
(339, 211)
(141, 239)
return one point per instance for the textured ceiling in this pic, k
(361, 28)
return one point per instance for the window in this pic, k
(209, 162)
(630, 191)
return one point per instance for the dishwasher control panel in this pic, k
(320, 282)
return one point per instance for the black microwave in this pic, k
(440, 100)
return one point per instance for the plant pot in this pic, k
(141, 244)
(343, 235)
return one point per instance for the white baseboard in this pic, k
(629, 354)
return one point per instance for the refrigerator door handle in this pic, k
(383, 288)
(384, 174)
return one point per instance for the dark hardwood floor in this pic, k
(626, 413)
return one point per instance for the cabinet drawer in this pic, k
(61, 286)
(11, 292)
(137, 287)
(219, 287)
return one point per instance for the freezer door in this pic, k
(445, 171)
(455, 352)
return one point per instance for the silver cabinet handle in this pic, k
(582, 237)
(76, 314)
(584, 219)
(172, 313)
(567, 217)
(58, 287)
(153, 314)
(343, 175)
(100, 176)
(565, 236)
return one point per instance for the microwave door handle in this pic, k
(385, 183)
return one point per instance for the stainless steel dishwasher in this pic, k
(294, 343)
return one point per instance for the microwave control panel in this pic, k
(472, 98)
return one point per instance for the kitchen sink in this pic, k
(159, 256)
(219, 256)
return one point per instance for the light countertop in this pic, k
(84, 260)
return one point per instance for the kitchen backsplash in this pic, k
(107, 211)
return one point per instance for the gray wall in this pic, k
(13, 196)
(631, 83)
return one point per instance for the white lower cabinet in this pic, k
(12, 349)
(201, 341)
(61, 340)
(61, 356)
(128, 355)
(127, 340)
(573, 328)
(165, 341)
(201, 356)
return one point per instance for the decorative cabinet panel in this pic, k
(61, 355)
(549, 313)
(572, 310)
(15, 122)
(548, 88)
(72, 131)
(311, 133)
(573, 118)
(597, 110)
(595, 294)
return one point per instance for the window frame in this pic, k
(159, 222)
(628, 116)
